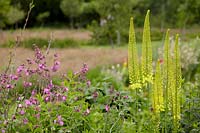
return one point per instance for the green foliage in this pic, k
(71, 8)
(43, 43)
(86, 11)
(42, 16)
(4, 8)
(190, 109)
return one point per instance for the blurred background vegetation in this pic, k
(107, 19)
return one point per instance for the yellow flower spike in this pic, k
(146, 48)
(133, 65)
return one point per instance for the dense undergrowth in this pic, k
(102, 99)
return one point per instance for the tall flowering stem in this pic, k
(146, 50)
(133, 65)
(177, 85)
(158, 102)
(166, 75)
(157, 96)
(166, 66)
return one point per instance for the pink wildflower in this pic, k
(107, 108)
(22, 112)
(28, 103)
(25, 121)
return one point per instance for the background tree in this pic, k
(112, 24)
(14, 15)
(4, 8)
(83, 12)
(9, 14)
(72, 9)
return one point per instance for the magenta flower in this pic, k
(20, 105)
(33, 101)
(85, 68)
(95, 95)
(28, 103)
(107, 108)
(56, 55)
(9, 86)
(88, 83)
(64, 98)
(14, 77)
(41, 66)
(47, 99)
(33, 92)
(29, 61)
(125, 97)
(20, 69)
(3, 131)
(37, 109)
(46, 91)
(55, 67)
(27, 84)
(66, 89)
(61, 123)
(51, 85)
(25, 121)
(13, 117)
(22, 112)
(59, 120)
(87, 112)
(37, 116)
(26, 72)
